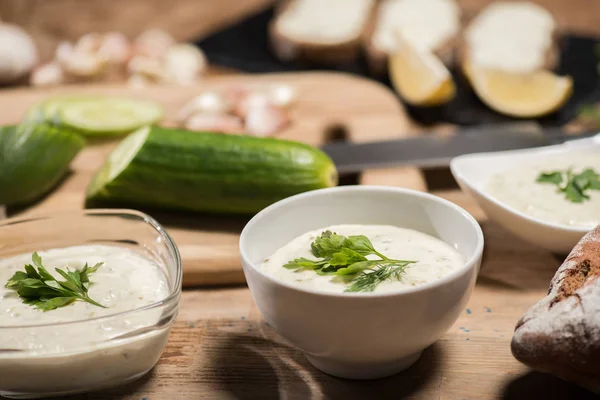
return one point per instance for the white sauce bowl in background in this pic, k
(474, 171)
(361, 335)
(104, 351)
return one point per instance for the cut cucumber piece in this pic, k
(207, 172)
(48, 110)
(109, 115)
(97, 116)
(33, 158)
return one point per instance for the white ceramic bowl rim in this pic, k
(506, 207)
(367, 188)
(172, 298)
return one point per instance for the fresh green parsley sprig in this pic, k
(346, 256)
(40, 289)
(574, 186)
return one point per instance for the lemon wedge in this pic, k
(419, 76)
(524, 95)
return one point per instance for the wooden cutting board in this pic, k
(209, 245)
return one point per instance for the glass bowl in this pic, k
(85, 363)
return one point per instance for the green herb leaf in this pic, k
(54, 303)
(346, 257)
(304, 263)
(327, 244)
(575, 186)
(552, 177)
(361, 244)
(40, 289)
(16, 279)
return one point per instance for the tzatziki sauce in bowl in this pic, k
(86, 301)
(361, 278)
(549, 196)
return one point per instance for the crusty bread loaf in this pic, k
(430, 24)
(511, 36)
(560, 334)
(320, 31)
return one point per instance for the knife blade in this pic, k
(433, 150)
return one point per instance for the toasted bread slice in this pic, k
(327, 32)
(560, 335)
(431, 25)
(511, 36)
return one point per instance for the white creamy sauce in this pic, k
(510, 36)
(124, 282)
(434, 257)
(517, 188)
(306, 20)
(57, 353)
(426, 24)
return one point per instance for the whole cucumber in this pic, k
(208, 172)
(33, 158)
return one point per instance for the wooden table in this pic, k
(221, 348)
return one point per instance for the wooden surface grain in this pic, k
(209, 245)
(220, 348)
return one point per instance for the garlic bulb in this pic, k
(18, 54)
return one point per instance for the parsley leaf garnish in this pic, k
(346, 257)
(574, 186)
(40, 289)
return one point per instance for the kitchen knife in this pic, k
(432, 150)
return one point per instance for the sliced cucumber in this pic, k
(207, 172)
(97, 116)
(33, 158)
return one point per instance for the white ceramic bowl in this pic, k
(368, 335)
(473, 171)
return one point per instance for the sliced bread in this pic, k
(560, 334)
(427, 24)
(511, 36)
(320, 31)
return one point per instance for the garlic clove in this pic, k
(47, 75)
(282, 95)
(18, 53)
(265, 119)
(84, 65)
(207, 102)
(138, 81)
(153, 43)
(89, 43)
(115, 48)
(251, 100)
(184, 63)
(64, 52)
(150, 67)
(222, 123)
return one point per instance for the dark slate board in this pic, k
(245, 47)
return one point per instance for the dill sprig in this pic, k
(346, 256)
(368, 280)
